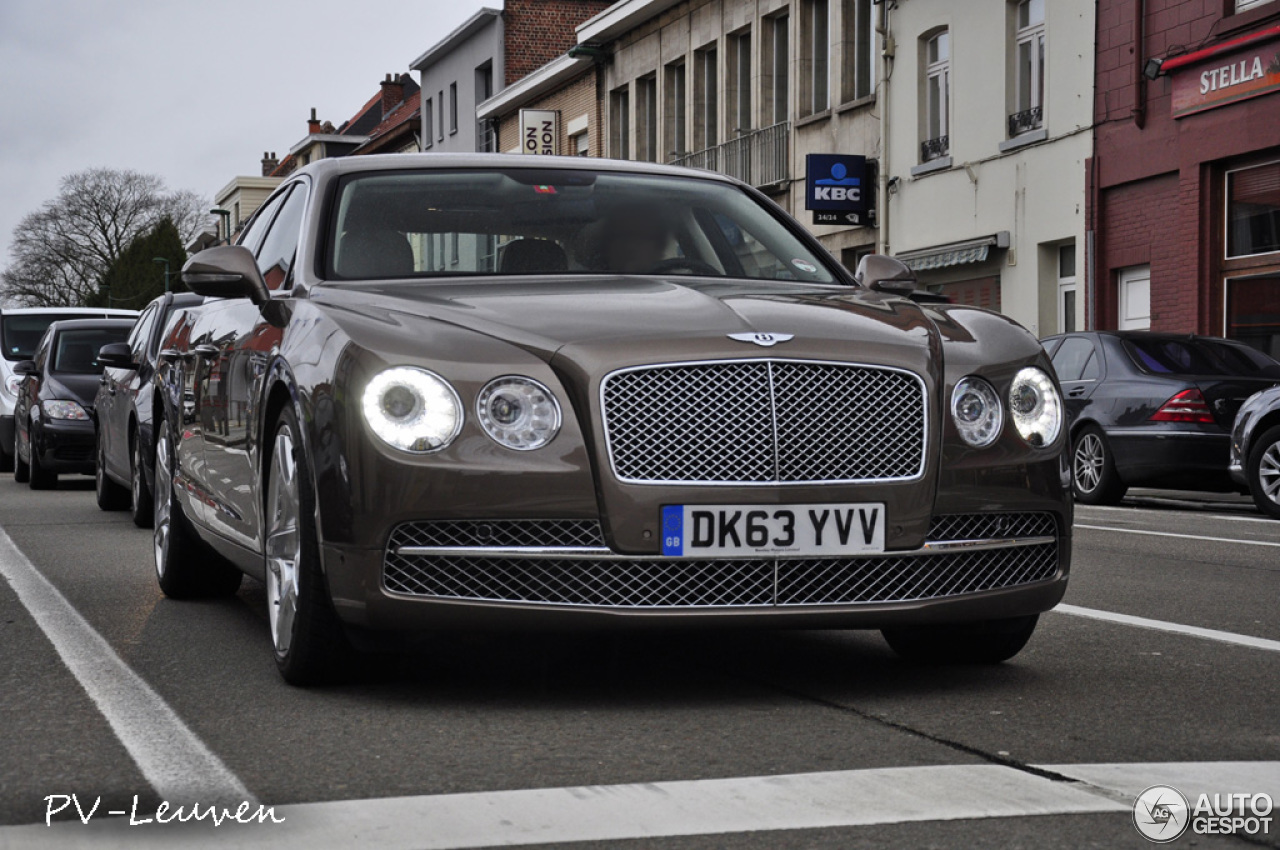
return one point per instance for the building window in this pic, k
(815, 48)
(428, 124)
(937, 74)
(706, 99)
(620, 122)
(1028, 113)
(1253, 210)
(453, 108)
(484, 82)
(676, 138)
(581, 145)
(1135, 299)
(440, 116)
(1245, 5)
(739, 118)
(859, 77)
(1067, 288)
(647, 118)
(775, 61)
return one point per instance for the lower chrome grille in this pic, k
(598, 578)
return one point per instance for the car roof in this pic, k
(1156, 335)
(91, 324)
(45, 311)
(442, 161)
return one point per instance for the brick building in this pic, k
(1184, 182)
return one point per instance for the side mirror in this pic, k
(228, 271)
(117, 355)
(25, 367)
(891, 275)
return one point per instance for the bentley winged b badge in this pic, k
(764, 339)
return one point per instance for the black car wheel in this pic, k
(40, 478)
(1093, 469)
(310, 645)
(988, 642)
(185, 568)
(6, 460)
(21, 470)
(111, 496)
(139, 492)
(1264, 472)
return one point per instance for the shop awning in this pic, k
(954, 253)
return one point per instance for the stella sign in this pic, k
(1226, 78)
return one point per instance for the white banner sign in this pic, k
(539, 131)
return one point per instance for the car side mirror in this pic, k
(227, 271)
(117, 355)
(25, 367)
(891, 275)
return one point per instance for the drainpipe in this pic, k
(882, 173)
(1139, 57)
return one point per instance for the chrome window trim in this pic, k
(924, 445)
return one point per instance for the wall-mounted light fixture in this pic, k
(1152, 69)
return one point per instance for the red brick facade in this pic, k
(1156, 182)
(537, 31)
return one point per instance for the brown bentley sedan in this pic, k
(436, 391)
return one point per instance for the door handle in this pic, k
(206, 351)
(1077, 392)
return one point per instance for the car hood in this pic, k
(637, 319)
(79, 388)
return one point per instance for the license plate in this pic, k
(841, 529)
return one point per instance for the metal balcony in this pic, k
(934, 148)
(1026, 121)
(759, 157)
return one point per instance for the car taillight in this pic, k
(1186, 406)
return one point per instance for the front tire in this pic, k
(1264, 472)
(111, 496)
(1093, 470)
(185, 568)
(7, 460)
(40, 478)
(987, 642)
(139, 494)
(307, 638)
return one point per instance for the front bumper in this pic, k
(559, 574)
(65, 446)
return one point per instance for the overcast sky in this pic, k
(192, 92)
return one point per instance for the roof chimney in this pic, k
(392, 94)
(269, 163)
(313, 123)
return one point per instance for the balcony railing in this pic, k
(759, 157)
(934, 148)
(1026, 121)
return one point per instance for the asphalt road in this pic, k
(726, 740)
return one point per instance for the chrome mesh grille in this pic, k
(764, 421)
(676, 583)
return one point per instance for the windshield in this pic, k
(20, 333)
(76, 352)
(1199, 357)
(558, 221)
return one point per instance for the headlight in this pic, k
(11, 384)
(412, 409)
(518, 413)
(976, 410)
(59, 409)
(1035, 406)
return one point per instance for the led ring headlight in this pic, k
(976, 411)
(1035, 406)
(518, 412)
(412, 409)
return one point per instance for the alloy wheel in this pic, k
(1269, 472)
(162, 508)
(283, 541)
(1090, 458)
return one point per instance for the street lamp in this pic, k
(225, 215)
(164, 260)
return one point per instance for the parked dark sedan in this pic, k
(1255, 449)
(1153, 410)
(464, 391)
(125, 436)
(53, 417)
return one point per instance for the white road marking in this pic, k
(1181, 536)
(174, 761)
(662, 809)
(1152, 511)
(1165, 626)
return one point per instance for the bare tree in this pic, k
(61, 251)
